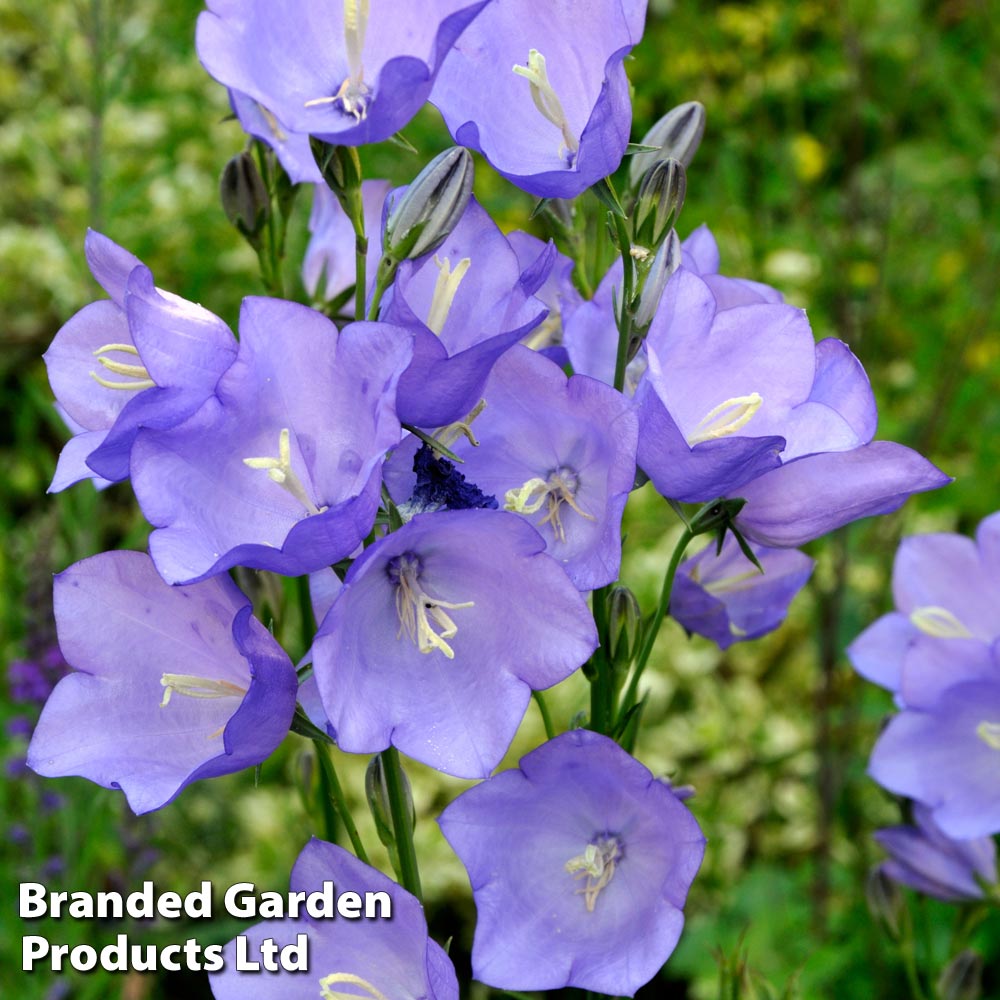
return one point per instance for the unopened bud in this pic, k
(666, 261)
(659, 202)
(962, 977)
(377, 794)
(678, 134)
(244, 196)
(885, 901)
(422, 219)
(624, 619)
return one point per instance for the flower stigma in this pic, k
(596, 864)
(726, 418)
(419, 613)
(327, 982)
(279, 470)
(193, 686)
(445, 289)
(354, 94)
(559, 488)
(450, 433)
(138, 373)
(939, 623)
(548, 103)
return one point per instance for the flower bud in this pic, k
(425, 215)
(885, 901)
(659, 202)
(962, 977)
(678, 134)
(624, 619)
(666, 261)
(377, 794)
(244, 196)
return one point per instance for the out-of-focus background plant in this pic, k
(852, 159)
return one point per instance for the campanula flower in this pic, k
(925, 859)
(442, 630)
(945, 627)
(280, 469)
(377, 959)
(580, 863)
(350, 72)
(170, 684)
(143, 358)
(727, 599)
(540, 90)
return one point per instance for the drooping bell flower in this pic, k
(281, 468)
(558, 451)
(540, 90)
(580, 863)
(946, 755)
(744, 403)
(925, 859)
(143, 358)
(945, 628)
(467, 303)
(170, 684)
(328, 268)
(383, 957)
(350, 72)
(727, 599)
(440, 634)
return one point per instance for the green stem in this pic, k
(550, 729)
(601, 684)
(337, 797)
(408, 874)
(624, 317)
(653, 629)
(360, 270)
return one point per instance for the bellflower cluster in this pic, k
(940, 653)
(447, 454)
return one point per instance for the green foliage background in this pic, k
(852, 159)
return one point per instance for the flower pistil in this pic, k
(548, 103)
(137, 373)
(419, 613)
(597, 863)
(354, 94)
(559, 488)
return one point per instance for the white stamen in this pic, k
(417, 610)
(726, 418)
(326, 993)
(353, 93)
(989, 733)
(445, 289)
(138, 373)
(597, 864)
(939, 623)
(192, 686)
(560, 488)
(547, 101)
(279, 470)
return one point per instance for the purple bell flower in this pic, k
(375, 959)
(945, 629)
(580, 863)
(467, 303)
(947, 756)
(744, 403)
(292, 148)
(350, 73)
(280, 469)
(441, 632)
(170, 684)
(540, 90)
(727, 599)
(558, 451)
(144, 358)
(925, 859)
